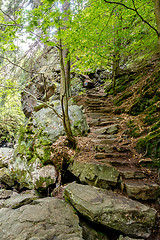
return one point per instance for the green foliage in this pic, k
(11, 115)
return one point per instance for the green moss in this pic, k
(152, 115)
(123, 97)
(155, 126)
(47, 155)
(150, 145)
(133, 129)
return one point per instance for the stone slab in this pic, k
(112, 210)
(46, 218)
(100, 175)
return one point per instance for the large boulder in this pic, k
(42, 219)
(42, 87)
(111, 210)
(52, 125)
(100, 175)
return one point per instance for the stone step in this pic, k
(108, 148)
(118, 162)
(104, 141)
(94, 101)
(132, 172)
(96, 104)
(110, 155)
(111, 129)
(104, 148)
(96, 96)
(95, 174)
(141, 189)
(103, 137)
(123, 149)
(101, 110)
(98, 122)
(98, 109)
(96, 115)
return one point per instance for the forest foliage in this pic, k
(98, 34)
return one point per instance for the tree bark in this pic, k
(115, 71)
(116, 53)
(65, 51)
(157, 15)
(65, 80)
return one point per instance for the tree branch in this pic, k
(107, 22)
(135, 10)
(46, 104)
(9, 17)
(15, 64)
(9, 25)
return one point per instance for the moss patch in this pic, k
(133, 129)
(123, 97)
(150, 146)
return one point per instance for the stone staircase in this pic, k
(113, 147)
(112, 164)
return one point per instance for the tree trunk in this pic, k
(65, 80)
(116, 53)
(157, 15)
(115, 71)
(65, 51)
(64, 99)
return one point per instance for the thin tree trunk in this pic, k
(116, 54)
(157, 15)
(65, 80)
(115, 71)
(64, 99)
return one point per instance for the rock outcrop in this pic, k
(111, 210)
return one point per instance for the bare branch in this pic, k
(9, 17)
(15, 64)
(143, 18)
(135, 10)
(46, 104)
(9, 25)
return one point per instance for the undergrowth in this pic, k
(139, 96)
